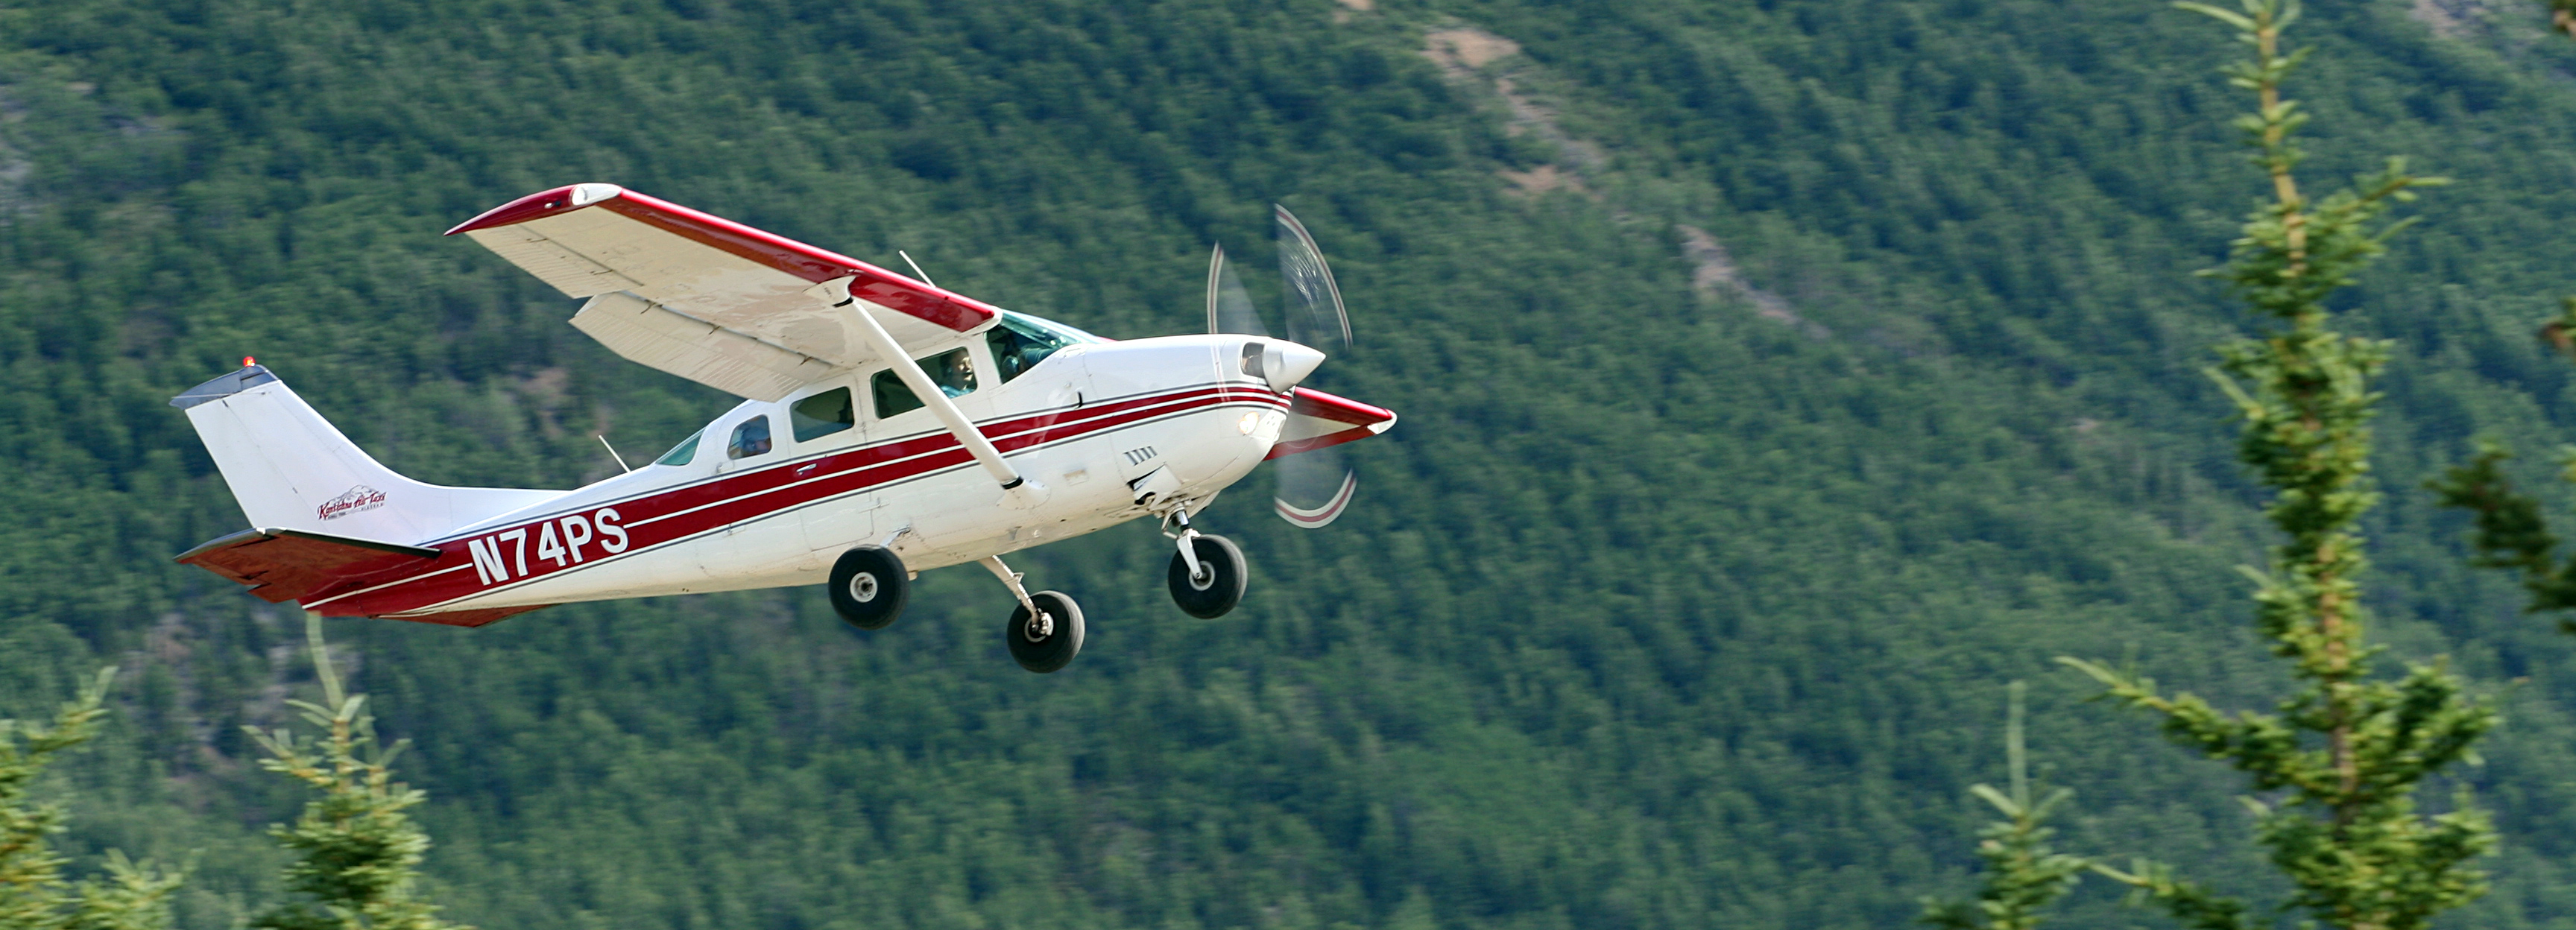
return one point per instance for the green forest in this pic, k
(1780, 379)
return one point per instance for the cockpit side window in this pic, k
(682, 453)
(1019, 345)
(749, 439)
(821, 415)
(953, 371)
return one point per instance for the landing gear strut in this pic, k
(1045, 632)
(1208, 574)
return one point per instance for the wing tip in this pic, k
(540, 204)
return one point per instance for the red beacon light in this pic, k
(248, 361)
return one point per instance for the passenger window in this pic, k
(953, 371)
(821, 415)
(682, 453)
(1018, 346)
(749, 439)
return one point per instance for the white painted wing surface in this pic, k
(709, 299)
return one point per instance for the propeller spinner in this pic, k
(1312, 488)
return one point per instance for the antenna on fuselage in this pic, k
(916, 268)
(612, 451)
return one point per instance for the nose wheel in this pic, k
(1208, 574)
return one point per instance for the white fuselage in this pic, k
(1081, 426)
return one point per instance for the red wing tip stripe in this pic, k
(539, 205)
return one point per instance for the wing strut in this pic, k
(837, 293)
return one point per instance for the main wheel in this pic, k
(1219, 584)
(869, 587)
(1045, 642)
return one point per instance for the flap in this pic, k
(283, 565)
(663, 339)
(750, 290)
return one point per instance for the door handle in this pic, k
(807, 468)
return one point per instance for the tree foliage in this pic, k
(2023, 875)
(34, 895)
(357, 853)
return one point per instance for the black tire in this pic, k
(1045, 647)
(1225, 577)
(869, 587)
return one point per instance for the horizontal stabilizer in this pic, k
(282, 565)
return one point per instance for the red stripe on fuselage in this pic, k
(664, 517)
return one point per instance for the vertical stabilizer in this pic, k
(291, 469)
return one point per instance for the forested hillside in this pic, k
(1779, 379)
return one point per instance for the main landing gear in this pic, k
(1046, 631)
(1208, 575)
(869, 586)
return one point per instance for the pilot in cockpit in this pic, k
(956, 374)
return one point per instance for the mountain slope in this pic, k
(1661, 609)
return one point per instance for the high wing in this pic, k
(709, 299)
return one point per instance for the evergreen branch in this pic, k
(358, 852)
(33, 893)
(135, 896)
(2511, 533)
(2190, 904)
(2022, 875)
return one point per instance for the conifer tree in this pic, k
(358, 854)
(2339, 759)
(2023, 875)
(33, 893)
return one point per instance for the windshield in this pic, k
(1059, 330)
(682, 453)
(1019, 342)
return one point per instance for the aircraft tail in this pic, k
(293, 470)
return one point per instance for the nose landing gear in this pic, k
(1208, 574)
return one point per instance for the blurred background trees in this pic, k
(1774, 376)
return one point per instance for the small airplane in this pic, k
(888, 426)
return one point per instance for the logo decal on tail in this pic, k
(354, 500)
